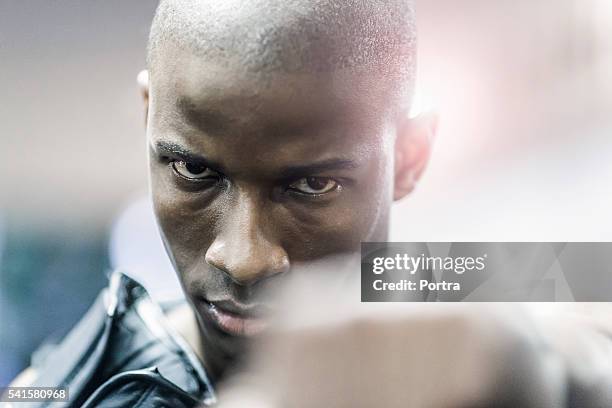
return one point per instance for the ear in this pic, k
(412, 150)
(143, 86)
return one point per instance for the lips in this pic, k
(235, 319)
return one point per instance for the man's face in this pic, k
(254, 174)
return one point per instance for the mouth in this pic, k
(234, 319)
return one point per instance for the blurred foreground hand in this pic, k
(330, 350)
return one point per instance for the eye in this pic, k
(192, 171)
(314, 185)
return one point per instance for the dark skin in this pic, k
(252, 175)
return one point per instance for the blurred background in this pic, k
(524, 150)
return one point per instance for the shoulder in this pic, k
(123, 343)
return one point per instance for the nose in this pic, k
(241, 248)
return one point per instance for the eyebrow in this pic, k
(318, 167)
(175, 149)
(289, 172)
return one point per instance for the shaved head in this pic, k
(292, 36)
(278, 135)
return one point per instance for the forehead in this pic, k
(183, 82)
(216, 105)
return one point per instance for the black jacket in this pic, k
(123, 354)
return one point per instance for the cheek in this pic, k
(374, 197)
(360, 215)
(186, 226)
(187, 235)
(326, 233)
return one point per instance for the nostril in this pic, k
(247, 266)
(215, 256)
(243, 250)
(249, 271)
(281, 266)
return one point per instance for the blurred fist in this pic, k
(418, 355)
(330, 350)
(327, 349)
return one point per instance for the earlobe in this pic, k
(143, 86)
(404, 185)
(412, 151)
